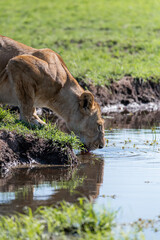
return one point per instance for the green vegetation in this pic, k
(71, 184)
(66, 221)
(10, 122)
(99, 40)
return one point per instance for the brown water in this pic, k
(125, 175)
(46, 186)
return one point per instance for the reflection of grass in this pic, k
(9, 122)
(79, 221)
(72, 184)
(23, 192)
(99, 40)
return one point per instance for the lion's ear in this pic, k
(86, 102)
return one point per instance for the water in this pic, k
(125, 175)
(131, 181)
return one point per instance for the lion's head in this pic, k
(87, 123)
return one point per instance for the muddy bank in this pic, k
(128, 94)
(16, 150)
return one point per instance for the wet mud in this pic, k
(126, 91)
(17, 150)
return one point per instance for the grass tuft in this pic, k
(66, 221)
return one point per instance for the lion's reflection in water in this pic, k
(47, 186)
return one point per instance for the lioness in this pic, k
(31, 78)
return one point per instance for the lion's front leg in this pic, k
(24, 87)
(28, 114)
(37, 118)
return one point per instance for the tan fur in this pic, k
(31, 78)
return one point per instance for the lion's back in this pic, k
(10, 48)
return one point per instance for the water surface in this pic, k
(125, 175)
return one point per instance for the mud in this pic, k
(126, 91)
(16, 150)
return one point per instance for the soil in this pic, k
(16, 149)
(125, 92)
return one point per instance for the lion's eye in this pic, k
(99, 127)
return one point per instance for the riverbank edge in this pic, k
(27, 150)
(128, 94)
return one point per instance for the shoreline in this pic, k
(132, 94)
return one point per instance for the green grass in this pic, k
(10, 122)
(66, 221)
(99, 40)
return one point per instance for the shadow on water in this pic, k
(34, 187)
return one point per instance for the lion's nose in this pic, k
(101, 146)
